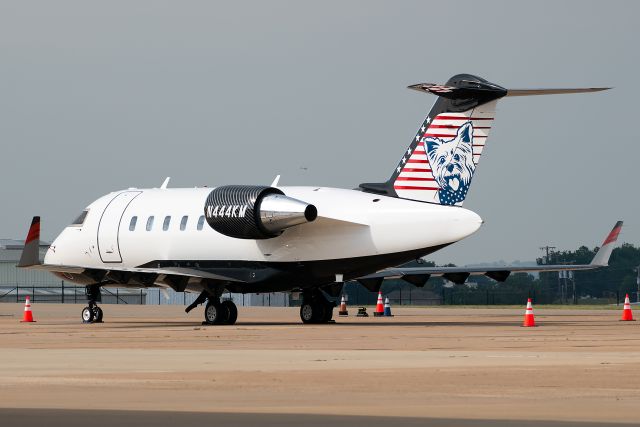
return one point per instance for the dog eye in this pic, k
(456, 157)
(441, 161)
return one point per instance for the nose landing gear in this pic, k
(92, 313)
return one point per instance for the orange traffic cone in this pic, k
(343, 307)
(28, 315)
(529, 321)
(627, 315)
(379, 306)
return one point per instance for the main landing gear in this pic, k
(220, 313)
(92, 313)
(316, 308)
(215, 312)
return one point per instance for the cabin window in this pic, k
(80, 219)
(150, 223)
(165, 224)
(132, 224)
(200, 223)
(183, 223)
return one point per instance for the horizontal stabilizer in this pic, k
(530, 92)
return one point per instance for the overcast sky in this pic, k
(101, 96)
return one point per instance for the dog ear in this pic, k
(465, 133)
(432, 144)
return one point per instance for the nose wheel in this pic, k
(92, 313)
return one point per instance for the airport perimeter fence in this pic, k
(462, 295)
(356, 295)
(65, 294)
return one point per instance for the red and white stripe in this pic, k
(416, 180)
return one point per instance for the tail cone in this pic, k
(379, 306)
(627, 315)
(529, 320)
(28, 315)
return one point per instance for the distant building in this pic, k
(10, 275)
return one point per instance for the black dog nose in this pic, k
(450, 168)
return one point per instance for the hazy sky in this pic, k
(100, 96)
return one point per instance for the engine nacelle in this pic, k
(254, 212)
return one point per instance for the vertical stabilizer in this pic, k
(439, 164)
(31, 252)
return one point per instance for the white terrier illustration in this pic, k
(452, 164)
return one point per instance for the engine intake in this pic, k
(254, 212)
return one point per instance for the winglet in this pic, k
(165, 183)
(31, 252)
(601, 259)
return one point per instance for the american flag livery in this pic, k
(432, 169)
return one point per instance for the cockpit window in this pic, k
(80, 220)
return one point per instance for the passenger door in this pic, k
(109, 226)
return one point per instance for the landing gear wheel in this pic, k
(215, 313)
(87, 315)
(328, 313)
(98, 314)
(232, 311)
(306, 312)
(312, 312)
(319, 311)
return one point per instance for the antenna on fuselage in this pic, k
(165, 183)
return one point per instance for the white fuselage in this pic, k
(350, 224)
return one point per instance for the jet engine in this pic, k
(254, 212)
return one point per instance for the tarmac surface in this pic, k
(426, 366)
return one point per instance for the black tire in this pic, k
(216, 313)
(87, 315)
(213, 313)
(307, 312)
(97, 314)
(320, 311)
(328, 313)
(232, 311)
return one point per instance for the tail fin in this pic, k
(441, 160)
(31, 251)
(601, 257)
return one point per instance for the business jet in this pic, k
(271, 238)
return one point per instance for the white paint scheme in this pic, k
(349, 224)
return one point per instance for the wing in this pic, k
(419, 275)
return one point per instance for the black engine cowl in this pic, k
(254, 212)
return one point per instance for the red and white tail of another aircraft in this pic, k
(268, 238)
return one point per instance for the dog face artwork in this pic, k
(452, 164)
